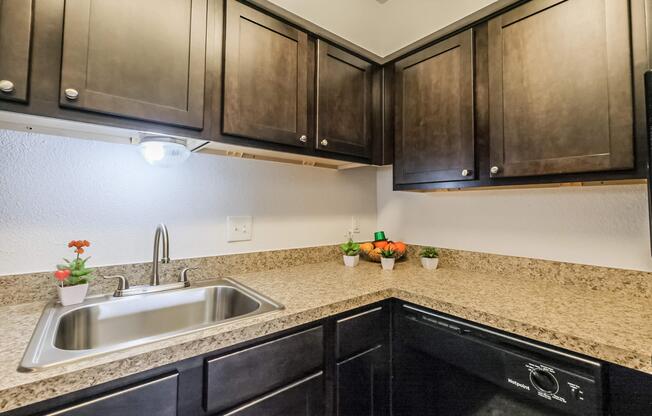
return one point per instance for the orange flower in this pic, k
(79, 250)
(87, 243)
(72, 243)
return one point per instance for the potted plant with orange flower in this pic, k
(73, 276)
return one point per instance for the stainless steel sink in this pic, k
(105, 324)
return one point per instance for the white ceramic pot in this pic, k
(388, 264)
(428, 263)
(70, 295)
(351, 261)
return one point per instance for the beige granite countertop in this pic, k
(604, 324)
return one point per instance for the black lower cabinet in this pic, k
(244, 375)
(155, 397)
(389, 358)
(362, 384)
(630, 392)
(362, 374)
(303, 398)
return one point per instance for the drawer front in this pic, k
(156, 397)
(303, 398)
(243, 375)
(362, 331)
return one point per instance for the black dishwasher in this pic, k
(447, 367)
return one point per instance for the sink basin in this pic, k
(105, 324)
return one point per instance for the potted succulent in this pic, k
(73, 276)
(351, 253)
(387, 258)
(429, 258)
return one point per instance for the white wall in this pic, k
(384, 26)
(602, 225)
(55, 189)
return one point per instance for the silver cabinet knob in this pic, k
(324, 142)
(494, 170)
(303, 138)
(467, 172)
(6, 86)
(71, 94)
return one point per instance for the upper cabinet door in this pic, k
(15, 39)
(434, 113)
(143, 59)
(560, 88)
(265, 77)
(344, 84)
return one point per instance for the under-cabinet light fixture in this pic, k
(163, 151)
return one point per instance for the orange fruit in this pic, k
(399, 246)
(366, 247)
(381, 244)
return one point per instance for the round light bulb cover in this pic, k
(163, 152)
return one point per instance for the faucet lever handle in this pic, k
(183, 276)
(123, 283)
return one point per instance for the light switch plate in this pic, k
(355, 225)
(238, 228)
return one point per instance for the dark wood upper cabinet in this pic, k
(265, 77)
(15, 39)
(141, 59)
(434, 134)
(344, 102)
(560, 88)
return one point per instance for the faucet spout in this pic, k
(161, 234)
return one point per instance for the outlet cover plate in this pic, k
(238, 228)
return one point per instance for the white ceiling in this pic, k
(382, 26)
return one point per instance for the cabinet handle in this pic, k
(467, 172)
(494, 170)
(6, 86)
(324, 142)
(71, 94)
(303, 138)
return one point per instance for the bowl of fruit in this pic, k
(371, 250)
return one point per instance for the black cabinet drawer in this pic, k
(362, 331)
(243, 375)
(156, 397)
(302, 398)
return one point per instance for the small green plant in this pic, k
(429, 252)
(75, 272)
(387, 253)
(350, 248)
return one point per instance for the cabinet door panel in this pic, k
(142, 59)
(363, 384)
(240, 376)
(265, 77)
(560, 88)
(303, 398)
(15, 40)
(156, 397)
(344, 87)
(434, 113)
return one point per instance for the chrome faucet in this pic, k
(125, 289)
(161, 232)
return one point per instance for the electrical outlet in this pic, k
(238, 228)
(355, 225)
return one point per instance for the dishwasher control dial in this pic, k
(544, 381)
